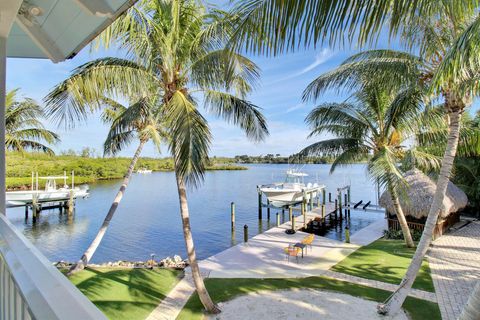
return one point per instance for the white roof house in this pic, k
(30, 287)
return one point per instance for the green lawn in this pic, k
(227, 289)
(387, 261)
(126, 293)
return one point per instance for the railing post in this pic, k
(3, 89)
(245, 233)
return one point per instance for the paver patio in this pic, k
(455, 266)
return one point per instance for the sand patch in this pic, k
(300, 304)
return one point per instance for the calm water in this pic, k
(148, 221)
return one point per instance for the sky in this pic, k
(279, 95)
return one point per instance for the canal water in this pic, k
(148, 220)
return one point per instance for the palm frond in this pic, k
(239, 112)
(276, 26)
(73, 99)
(190, 138)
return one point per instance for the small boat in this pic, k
(50, 194)
(144, 171)
(293, 190)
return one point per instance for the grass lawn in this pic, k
(387, 261)
(227, 289)
(126, 293)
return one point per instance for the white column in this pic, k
(3, 72)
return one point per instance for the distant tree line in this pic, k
(278, 159)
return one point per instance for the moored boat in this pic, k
(292, 190)
(50, 194)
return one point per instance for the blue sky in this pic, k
(279, 95)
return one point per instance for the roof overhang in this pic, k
(55, 29)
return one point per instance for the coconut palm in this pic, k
(23, 129)
(139, 120)
(433, 36)
(274, 26)
(177, 53)
(377, 122)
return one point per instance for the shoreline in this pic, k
(24, 183)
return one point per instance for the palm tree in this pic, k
(140, 120)
(23, 129)
(376, 122)
(274, 26)
(177, 53)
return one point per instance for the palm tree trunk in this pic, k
(395, 302)
(472, 308)
(192, 259)
(401, 217)
(85, 259)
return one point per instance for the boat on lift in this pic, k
(50, 193)
(144, 171)
(292, 190)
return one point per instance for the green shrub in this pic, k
(398, 234)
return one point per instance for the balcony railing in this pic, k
(31, 287)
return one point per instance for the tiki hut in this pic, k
(416, 200)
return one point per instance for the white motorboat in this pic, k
(50, 194)
(293, 190)
(144, 171)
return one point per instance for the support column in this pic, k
(3, 91)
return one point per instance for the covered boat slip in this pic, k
(57, 30)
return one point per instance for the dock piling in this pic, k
(278, 219)
(232, 214)
(290, 214)
(70, 203)
(268, 209)
(245, 233)
(324, 196)
(329, 197)
(311, 201)
(259, 203)
(304, 214)
(347, 234)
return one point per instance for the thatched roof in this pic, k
(418, 197)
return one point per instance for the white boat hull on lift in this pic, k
(15, 198)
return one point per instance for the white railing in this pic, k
(31, 287)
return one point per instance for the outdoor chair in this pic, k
(292, 251)
(308, 240)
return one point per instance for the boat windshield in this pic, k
(295, 176)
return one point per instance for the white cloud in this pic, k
(323, 56)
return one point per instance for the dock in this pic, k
(263, 256)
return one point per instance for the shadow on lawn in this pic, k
(226, 289)
(126, 293)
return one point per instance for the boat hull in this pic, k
(15, 198)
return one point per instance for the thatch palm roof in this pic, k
(418, 196)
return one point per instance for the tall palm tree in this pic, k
(377, 122)
(275, 26)
(23, 128)
(177, 53)
(140, 120)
